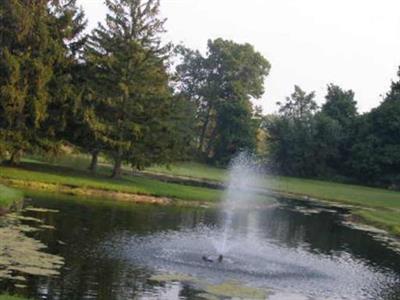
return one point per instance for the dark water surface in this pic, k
(111, 251)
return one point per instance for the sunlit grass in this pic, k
(45, 173)
(346, 193)
(192, 170)
(8, 297)
(8, 196)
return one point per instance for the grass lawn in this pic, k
(8, 196)
(8, 297)
(46, 173)
(191, 169)
(346, 193)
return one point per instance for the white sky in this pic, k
(352, 43)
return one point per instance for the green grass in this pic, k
(8, 297)
(8, 196)
(193, 170)
(46, 173)
(387, 219)
(344, 193)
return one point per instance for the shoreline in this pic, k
(361, 214)
(111, 195)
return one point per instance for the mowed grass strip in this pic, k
(8, 196)
(192, 170)
(46, 173)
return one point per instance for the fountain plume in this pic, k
(244, 177)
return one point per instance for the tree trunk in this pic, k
(93, 163)
(117, 170)
(204, 130)
(211, 143)
(15, 158)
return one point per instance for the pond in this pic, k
(286, 251)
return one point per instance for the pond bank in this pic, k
(377, 207)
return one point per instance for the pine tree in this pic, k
(131, 100)
(66, 85)
(40, 43)
(27, 53)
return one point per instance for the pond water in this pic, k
(114, 250)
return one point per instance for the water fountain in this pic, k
(260, 248)
(238, 197)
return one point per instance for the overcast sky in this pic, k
(352, 43)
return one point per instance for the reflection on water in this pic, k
(112, 250)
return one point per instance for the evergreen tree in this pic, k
(66, 85)
(28, 52)
(132, 96)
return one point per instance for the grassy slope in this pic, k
(8, 196)
(376, 206)
(45, 173)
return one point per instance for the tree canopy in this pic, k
(221, 84)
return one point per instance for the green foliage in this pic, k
(299, 106)
(221, 85)
(33, 52)
(376, 147)
(129, 112)
(340, 105)
(306, 142)
(292, 135)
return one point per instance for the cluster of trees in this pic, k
(120, 90)
(221, 85)
(334, 141)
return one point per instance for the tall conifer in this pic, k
(130, 82)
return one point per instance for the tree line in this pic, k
(334, 141)
(120, 90)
